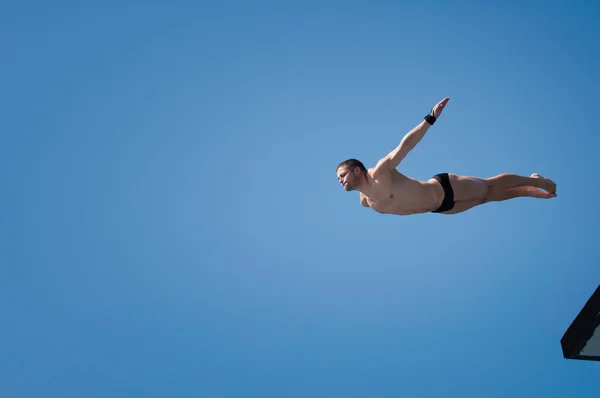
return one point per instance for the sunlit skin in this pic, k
(385, 190)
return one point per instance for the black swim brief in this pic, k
(448, 202)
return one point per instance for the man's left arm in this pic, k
(411, 139)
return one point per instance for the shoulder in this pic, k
(363, 200)
(381, 170)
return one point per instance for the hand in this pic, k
(439, 107)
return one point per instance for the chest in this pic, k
(384, 191)
(383, 201)
(387, 195)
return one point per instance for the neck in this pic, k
(365, 186)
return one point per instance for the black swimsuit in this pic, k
(448, 202)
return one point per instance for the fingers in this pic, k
(437, 110)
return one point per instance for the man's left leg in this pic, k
(468, 188)
(506, 181)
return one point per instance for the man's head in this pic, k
(350, 174)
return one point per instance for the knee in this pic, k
(489, 191)
(498, 177)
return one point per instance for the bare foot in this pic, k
(535, 192)
(546, 184)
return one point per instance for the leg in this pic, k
(473, 188)
(511, 193)
(507, 181)
(463, 205)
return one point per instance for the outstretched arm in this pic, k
(410, 140)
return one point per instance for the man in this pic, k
(385, 190)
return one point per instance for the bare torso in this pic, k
(395, 193)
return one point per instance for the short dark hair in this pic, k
(352, 164)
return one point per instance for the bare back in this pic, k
(395, 193)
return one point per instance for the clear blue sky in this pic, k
(172, 225)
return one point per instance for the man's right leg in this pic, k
(530, 192)
(520, 192)
(503, 182)
(492, 189)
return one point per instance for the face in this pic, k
(347, 178)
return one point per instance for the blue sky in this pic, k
(172, 224)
